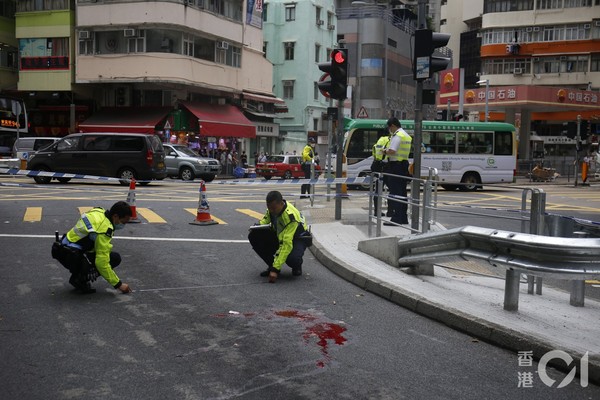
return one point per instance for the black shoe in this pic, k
(264, 273)
(297, 271)
(87, 289)
(389, 224)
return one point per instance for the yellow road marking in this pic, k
(84, 209)
(33, 214)
(592, 282)
(249, 212)
(150, 215)
(194, 211)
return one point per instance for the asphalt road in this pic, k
(201, 323)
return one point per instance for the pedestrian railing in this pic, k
(547, 245)
(563, 258)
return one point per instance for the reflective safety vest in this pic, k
(307, 153)
(98, 229)
(378, 148)
(404, 147)
(287, 226)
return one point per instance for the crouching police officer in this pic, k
(86, 250)
(281, 236)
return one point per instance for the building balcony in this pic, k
(157, 68)
(163, 14)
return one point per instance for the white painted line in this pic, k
(155, 239)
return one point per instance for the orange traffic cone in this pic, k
(131, 200)
(203, 215)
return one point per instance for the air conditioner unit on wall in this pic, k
(320, 22)
(331, 27)
(597, 23)
(222, 45)
(129, 32)
(84, 35)
(518, 71)
(478, 74)
(587, 26)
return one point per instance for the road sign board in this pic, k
(362, 113)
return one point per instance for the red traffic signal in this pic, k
(337, 70)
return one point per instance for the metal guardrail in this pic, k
(564, 258)
(548, 245)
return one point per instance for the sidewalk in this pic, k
(468, 302)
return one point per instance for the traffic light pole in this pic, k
(415, 191)
(577, 141)
(339, 159)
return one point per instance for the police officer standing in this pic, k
(281, 236)
(308, 155)
(397, 153)
(379, 164)
(91, 238)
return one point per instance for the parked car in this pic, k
(123, 155)
(29, 145)
(182, 162)
(285, 166)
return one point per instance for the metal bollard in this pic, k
(577, 298)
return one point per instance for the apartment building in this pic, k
(298, 36)
(8, 47)
(191, 70)
(540, 62)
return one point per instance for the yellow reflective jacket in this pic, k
(95, 225)
(308, 153)
(378, 148)
(290, 224)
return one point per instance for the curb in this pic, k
(487, 331)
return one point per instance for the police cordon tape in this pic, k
(362, 180)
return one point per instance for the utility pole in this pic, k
(339, 159)
(415, 191)
(577, 142)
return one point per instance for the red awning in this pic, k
(221, 120)
(126, 119)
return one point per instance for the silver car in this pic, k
(182, 162)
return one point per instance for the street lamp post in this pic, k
(487, 90)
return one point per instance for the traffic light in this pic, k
(334, 81)
(571, 131)
(424, 62)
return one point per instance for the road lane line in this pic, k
(33, 214)
(150, 215)
(83, 210)
(151, 239)
(249, 212)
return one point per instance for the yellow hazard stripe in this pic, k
(33, 214)
(249, 212)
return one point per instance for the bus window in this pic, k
(439, 142)
(503, 144)
(361, 144)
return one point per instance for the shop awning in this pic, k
(263, 98)
(126, 119)
(221, 120)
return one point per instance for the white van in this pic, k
(26, 146)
